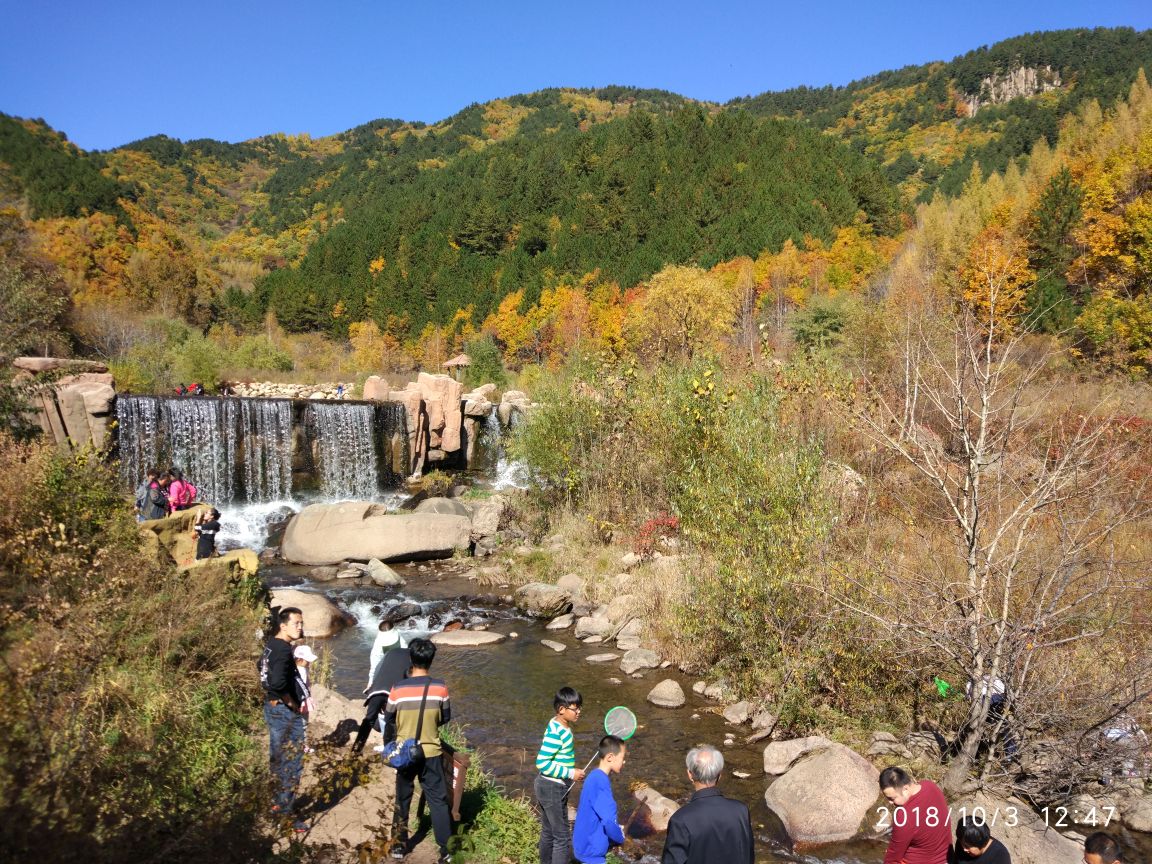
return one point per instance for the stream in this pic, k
(502, 695)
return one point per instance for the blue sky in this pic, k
(107, 72)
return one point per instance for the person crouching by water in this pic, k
(206, 532)
(922, 833)
(391, 666)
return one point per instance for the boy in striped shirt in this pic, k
(556, 763)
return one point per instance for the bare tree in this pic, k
(1019, 521)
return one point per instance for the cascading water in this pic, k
(138, 434)
(202, 442)
(267, 427)
(345, 450)
(510, 473)
(258, 451)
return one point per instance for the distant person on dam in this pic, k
(282, 711)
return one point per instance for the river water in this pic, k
(502, 694)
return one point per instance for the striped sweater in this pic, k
(404, 710)
(557, 756)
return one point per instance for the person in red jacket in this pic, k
(921, 825)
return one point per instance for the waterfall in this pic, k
(345, 450)
(510, 473)
(258, 450)
(138, 425)
(267, 429)
(202, 442)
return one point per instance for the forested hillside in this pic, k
(930, 124)
(548, 220)
(622, 199)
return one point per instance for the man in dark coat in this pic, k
(709, 828)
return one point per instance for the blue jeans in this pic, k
(285, 752)
(555, 832)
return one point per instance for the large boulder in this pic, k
(824, 797)
(402, 612)
(667, 694)
(658, 809)
(231, 567)
(629, 635)
(512, 401)
(637, 659)
(540, 600)
(622, 608)
(1136, 812)
(779, 756)
(331, 533)
(322, 617)
(448, 506)
(175, 535)
(49, 364)
(590, 625)
(383, 575)
(486, 516)
(442, 401)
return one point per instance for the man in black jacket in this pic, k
(710, 827)
(282, 709)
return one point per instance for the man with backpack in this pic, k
(417, 707)
(140, 498)
(156, 498)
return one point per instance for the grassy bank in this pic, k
(126, 688)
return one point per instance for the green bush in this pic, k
(487, 364)
(726, 455)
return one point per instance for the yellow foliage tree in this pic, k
(684, 310)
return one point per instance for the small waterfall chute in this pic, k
(345, 447)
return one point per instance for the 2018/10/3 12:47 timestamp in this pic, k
(1008, 817)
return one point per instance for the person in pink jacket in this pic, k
(181, 493)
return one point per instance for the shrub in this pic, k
(487, 366)
(124, 686)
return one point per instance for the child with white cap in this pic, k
(305, 657)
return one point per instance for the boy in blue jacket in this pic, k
(596, 824)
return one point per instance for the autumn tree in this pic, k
(1012, 562)
(684, 310)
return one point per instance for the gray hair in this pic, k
(705, 764)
